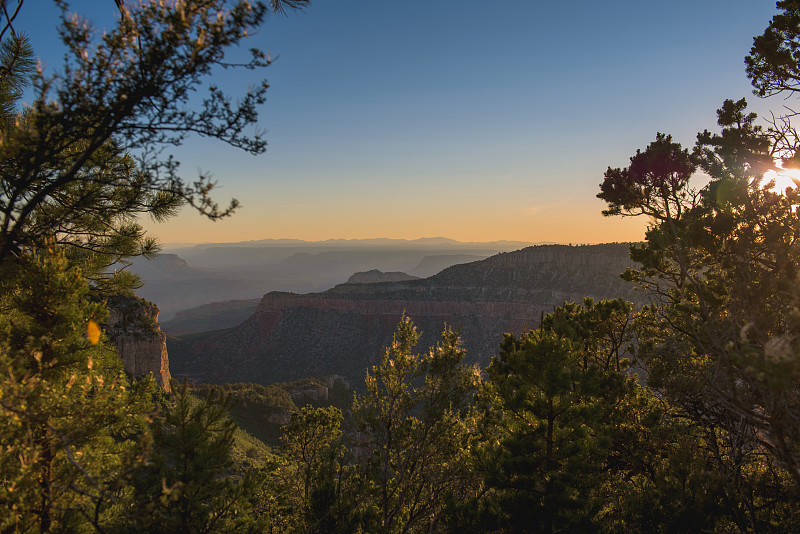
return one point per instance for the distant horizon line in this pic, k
(437, 239)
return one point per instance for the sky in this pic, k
(465, 119)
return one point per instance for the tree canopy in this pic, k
(91, 152)
(680, 416)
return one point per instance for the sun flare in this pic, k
(783, 178)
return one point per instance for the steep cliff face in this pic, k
(142, 346)
(344, 330)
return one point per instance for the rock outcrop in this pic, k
(133, 327)
(344, 330)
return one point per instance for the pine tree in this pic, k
(554, 435)
(188, 484)
(91, 152)
(72, 427)
(311, 486)
(413, 427)
(721, 264)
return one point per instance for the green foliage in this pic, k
(187, 485)
(562, 437)
(76, 169)
(653, 184)
(269, 400)
(72, 427)
(260, 410)
(306, 438)
(88, 156)
(558, 411)
(774, 61)
(16, 69)
(413, 424)
(720, 339)
(602, 331)
(309, 488)
(248, 452)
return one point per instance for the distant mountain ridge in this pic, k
(379, 241)
(187, 277)
(344, 330)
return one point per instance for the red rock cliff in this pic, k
(142, 346)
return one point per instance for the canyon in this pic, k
(345, 330)
(182, 278)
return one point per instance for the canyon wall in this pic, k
(344, 330)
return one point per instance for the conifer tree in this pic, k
(76, 168)
(188, 483)
(554, 435)
(412, 423)
(72, 427)
(91, 153)
(312, 486)
(721, 264)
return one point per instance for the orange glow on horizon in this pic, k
(576, 224)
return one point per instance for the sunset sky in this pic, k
(466, 119)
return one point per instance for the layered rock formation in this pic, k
(344, 330)
(133, 327)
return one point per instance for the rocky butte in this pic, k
(344, 330)
(133, 327)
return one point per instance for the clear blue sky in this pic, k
(465, 119)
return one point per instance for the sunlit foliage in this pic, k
(72, 426)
